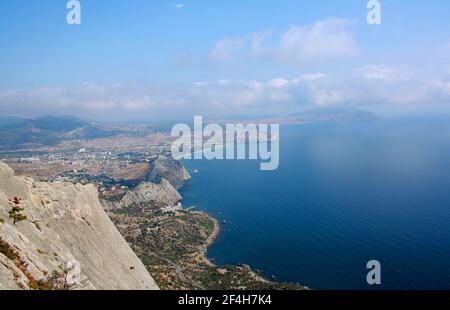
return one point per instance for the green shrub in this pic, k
(16, 211)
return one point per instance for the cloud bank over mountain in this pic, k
(370, 85)
(323, 72)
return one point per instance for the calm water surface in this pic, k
(344, 194)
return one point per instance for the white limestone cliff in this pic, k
(66, 232)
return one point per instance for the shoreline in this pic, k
(215, 233)
(210, 241)
(179, 244)
(174, 248)
(212, 238)
(257, 275)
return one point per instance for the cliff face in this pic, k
(162, 194)
(169, 169)
(66, 238)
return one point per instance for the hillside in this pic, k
(18, 133)
(66, 241)
(167, 168)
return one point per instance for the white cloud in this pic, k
(224, 82)
(367, 85)
(309, 77)
(278, 83)
(179, 6)
(201, 83)
(225, 49)
(376, 85)
(323, 41)
(257, 47)
(382, 72)
(85, 99)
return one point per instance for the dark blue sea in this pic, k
(344, 194)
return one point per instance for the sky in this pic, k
(146, 60)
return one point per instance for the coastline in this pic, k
(250, 274)
(173, 246)
(210, 241)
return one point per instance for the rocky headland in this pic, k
(167, 168)
(58, 236)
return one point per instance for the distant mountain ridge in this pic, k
(333, 114)
(18, 132)
(52, 123)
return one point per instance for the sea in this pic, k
(345, 193)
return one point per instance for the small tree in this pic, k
(16, 211)
(58, 281)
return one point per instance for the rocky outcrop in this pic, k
(66, 238)
(163, 194)
(170, 169)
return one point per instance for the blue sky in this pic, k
(250, 57)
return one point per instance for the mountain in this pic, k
(66, 241)
(58, 124)
(333, 114)
(169, 169)
(16, 132)
(162, 194)
(10, 122)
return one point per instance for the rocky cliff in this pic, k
(63, 239)
(167, 168)
(162, 194)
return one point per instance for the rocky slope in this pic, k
(167, 168)
(162, 194)
(66, 241)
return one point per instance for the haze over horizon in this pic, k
(169, 60)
